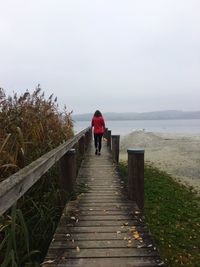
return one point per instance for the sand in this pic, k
(177, 154)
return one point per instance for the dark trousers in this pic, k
(97, 141)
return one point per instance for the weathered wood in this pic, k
(104, 223)
(18, 184)
(107, 252)
(105, 262)
(105, 133)
(108, 208)
(88, 135)
(68, 171)
(107, 212)
(102, 217)
(95, 244)
(136, 176)
(102, 227)
(99, 236)
(104, 201)
(115, 147)
(109, 139)
(106, 198)
(82, 145)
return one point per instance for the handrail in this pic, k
(18, 184)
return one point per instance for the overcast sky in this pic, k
(112, 55)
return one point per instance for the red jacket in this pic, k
(98, 124)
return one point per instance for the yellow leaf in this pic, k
(137, 212)
(132, 228)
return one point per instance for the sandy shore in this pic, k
(177, 154)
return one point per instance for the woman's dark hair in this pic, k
(97, 113)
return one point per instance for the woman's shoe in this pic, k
(96, 152)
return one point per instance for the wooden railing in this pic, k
(18, 184)
(15, 186)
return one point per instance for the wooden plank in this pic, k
(98, 236)
(98, 183)
(98, 194)
(116, 194)
(105, 262)
(102, 253)
(98, 244)
(109, 205)
(105, 199)
(106, 188)
(101, 229)
(105, 194)
(104, 212)
(109, 208)
(103, 223)
(103, 217)
(83, 201)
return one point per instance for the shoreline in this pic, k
(176, 154)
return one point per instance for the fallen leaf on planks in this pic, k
(137, 212)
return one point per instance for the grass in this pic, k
(172, 213)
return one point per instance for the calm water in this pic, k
(162, 126)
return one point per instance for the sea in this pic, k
(125, 127)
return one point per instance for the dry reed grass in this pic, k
(30, 126)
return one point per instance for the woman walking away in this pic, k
(98, 125)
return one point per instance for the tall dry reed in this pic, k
(30, 125)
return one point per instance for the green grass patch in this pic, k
(172, 213)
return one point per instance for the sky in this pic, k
(111, 55)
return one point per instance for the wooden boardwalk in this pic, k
(101, 228)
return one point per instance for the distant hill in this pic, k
(156, 115)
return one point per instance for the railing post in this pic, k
(86, 141)
(81, 145)
(115, 148)
(68, 170)
(109, 139)
(90, 133)
(87, 136)
(136, 176)
(105, 133)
